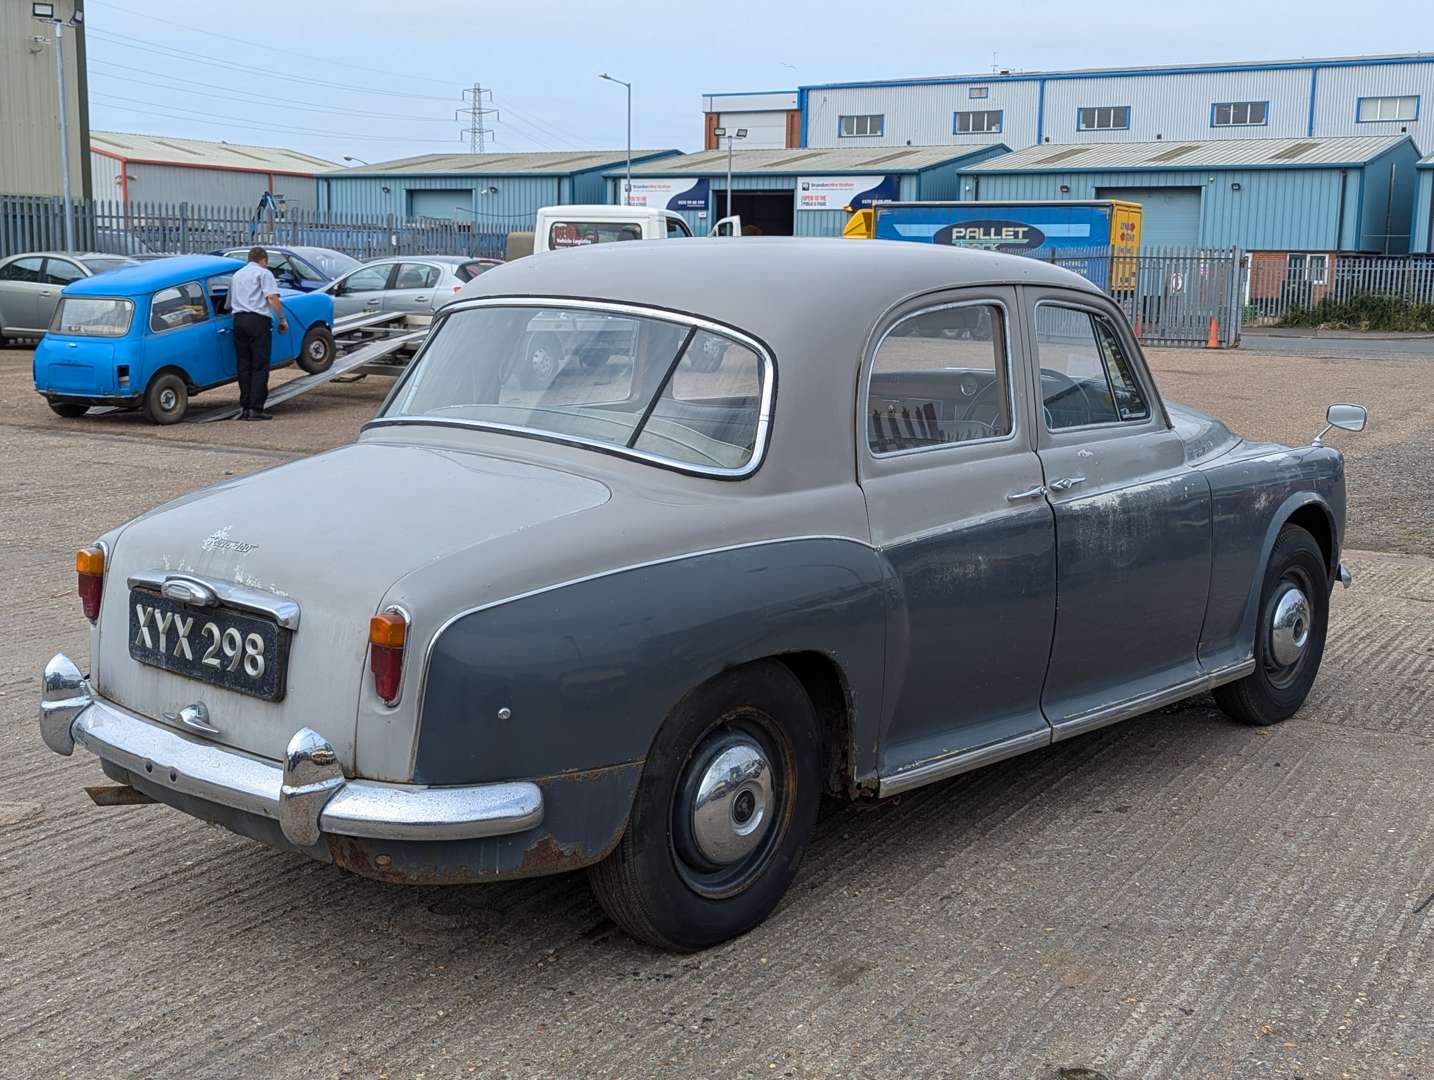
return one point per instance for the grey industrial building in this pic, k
(1362, 95)
(162, 169)
(29, 102)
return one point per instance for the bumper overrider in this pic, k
(308, 795)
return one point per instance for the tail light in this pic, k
(387, 632)
(458, 288)
(90, 569)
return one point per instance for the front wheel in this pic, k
(166, 399)
(70, 410)
(542, 360)
(1289, 634)
(727, 802)
(316, 354)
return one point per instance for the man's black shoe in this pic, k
(260, 414)
(247, 414)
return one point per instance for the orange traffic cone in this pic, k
(1212, 339)
(1139, 330)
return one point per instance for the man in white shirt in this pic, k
(253, 293)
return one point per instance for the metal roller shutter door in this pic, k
(1170, 217)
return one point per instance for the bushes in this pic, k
(1364, 311)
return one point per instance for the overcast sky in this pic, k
(379, 79)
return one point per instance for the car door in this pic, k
(414, 288)
(361, 290)
(1132, 520)
(953, 488)
(57, 274)
(21, 283)
(183, 335)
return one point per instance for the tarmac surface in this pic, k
(1176, 896)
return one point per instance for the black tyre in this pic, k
(725, 807)
(316, 353)
(593, 357)
(1289, 634)
(709, 354)
(166, 399)
(70, 410)
(542, 360)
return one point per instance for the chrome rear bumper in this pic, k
(307, 795)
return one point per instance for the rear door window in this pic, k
(416, 276)
(182, 305)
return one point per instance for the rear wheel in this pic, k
(68, 409)
(542, 360)
(1289, 635)
(316, 354)
(725, 807)
(166, 399)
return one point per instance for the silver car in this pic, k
(405, 283)
(30, 286)
(927, 513)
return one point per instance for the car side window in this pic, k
(369, 279)
(1086, 376)
(23, 270)
(61, 272)
(677, 229)
(940, 377)
(707, 412)
(416, 276)
(182, 305)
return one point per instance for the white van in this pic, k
(560, 227)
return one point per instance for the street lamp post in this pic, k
(721, 133)
(355, 160)
(627, 184)
(46, 13)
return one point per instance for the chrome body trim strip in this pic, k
(1103, 715)
(307, 794)
(961, 761)
(200, 589)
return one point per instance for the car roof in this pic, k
(156, 274)
(64, 255)
(813, 302)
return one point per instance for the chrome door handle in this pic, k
(1029, 493)
(421, 299)
(1065, 483)
(223, 330)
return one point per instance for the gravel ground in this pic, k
(1176, 896)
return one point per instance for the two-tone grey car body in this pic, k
(929, 512)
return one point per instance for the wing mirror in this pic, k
(1344, 417)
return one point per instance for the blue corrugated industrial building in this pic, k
(498, 192)
(795, 192)
(1350, 194)
(1421, 238)
(1313, 98)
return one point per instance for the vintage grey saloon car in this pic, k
(928, 512)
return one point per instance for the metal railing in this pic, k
(37, 223)
(1281, 285)
(1172, 296)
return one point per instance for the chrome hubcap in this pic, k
(1289, 626)
(542, 363)
(732, 808)
(167, 399)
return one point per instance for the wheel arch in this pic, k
(171, 369)
(1310, 511)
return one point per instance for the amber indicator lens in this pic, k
(388, 629)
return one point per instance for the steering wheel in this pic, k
(1068, 386)
(982, 411)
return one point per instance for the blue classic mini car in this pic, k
(150, 336)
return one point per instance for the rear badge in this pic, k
(219, 540)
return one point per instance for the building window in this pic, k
(860, 126)
(977, 122)
(980, 93)
(1105, 118)
(1375, 109)
(1239, 113)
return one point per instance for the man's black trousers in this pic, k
(251, 351)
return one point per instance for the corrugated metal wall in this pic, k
(1170, 106)
(765, 130)
(922, 115)
(1341, 88)
(1421, 238)
(1274, 210)
(29, 106)
(513, 206)
(1389, 184)
(212, 187)
(105, 177)
(1178, 106)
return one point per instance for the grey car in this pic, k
(408, 283)
(30, 286)
(928, 512)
